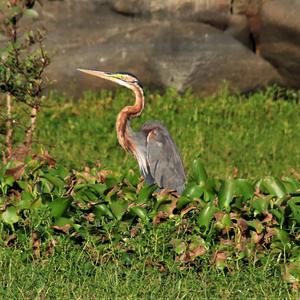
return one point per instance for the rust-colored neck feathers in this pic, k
(128, 112)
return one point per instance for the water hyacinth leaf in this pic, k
(294, 205)
(44, 186)
(146, 193)
(111, 181)
(25, 186)
(206, 215)
(63, 221)
(59, 206)
(279, 215)
(132, 177)
(54, 180)
(208, 195)
(291, 185)
(199, 172)
(257, 225)
(183, 201)
(283, 236)
(31, 13)
(9, 180)
(292, 272)
(10, 215)
(100, 188)
(102, 210)
(193, 191)
(227, 194)
(179, 246)
(197, 247)
(130, 196)
(261, 204)
(26, 200)
(244, 188)
(118, 208)
(274, 186)
(223, 222)
(140, 212)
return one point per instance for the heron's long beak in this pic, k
(104, 75)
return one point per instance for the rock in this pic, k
(280, 38)
(231, 62)
(213, 12)
(196, 55)
(179, 43)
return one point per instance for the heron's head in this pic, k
(126, 79)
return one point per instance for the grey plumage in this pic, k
(158, 157)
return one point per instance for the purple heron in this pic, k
(153, 147)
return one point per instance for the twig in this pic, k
(9, 128)
(30, 129)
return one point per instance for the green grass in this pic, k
(71, 274)
(256, 134)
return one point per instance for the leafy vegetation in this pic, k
(22, 62)
(223, 233)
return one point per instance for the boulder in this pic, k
(280, 38)
(213, 12)
(179, 43)
(195, 56)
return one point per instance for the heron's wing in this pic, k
(164, 161)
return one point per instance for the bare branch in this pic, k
(30, 129)
(9, 128)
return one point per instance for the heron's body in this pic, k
(153, 148)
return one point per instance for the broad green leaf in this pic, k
(227, 194)
(294, 205)
(31, 13)
(111, 181)
(59, 206)
(9, 180)
(274, 186)
(179, 246)
(183, 201)
(140, 212)
(224, 222)
(278, 214)
(261, 204)
(244, 188)
(26, 200)
(199, 171)
(193, 191)
(291, 185)
(145, 193)
(118, 208)
(206, 215)
(24, 185)
(102, 210)
(10, 215)
(257, 225)
(100, 188)
(63, 221)
(56, 181)
(132, 177)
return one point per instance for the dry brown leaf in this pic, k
(160, 215)
(64, 228)
(90, 217)
(242, 224)
(256, 238)
(197, 251)
(16, 172)
(36, 244)
(187, 209)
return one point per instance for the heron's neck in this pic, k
(128, 112)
